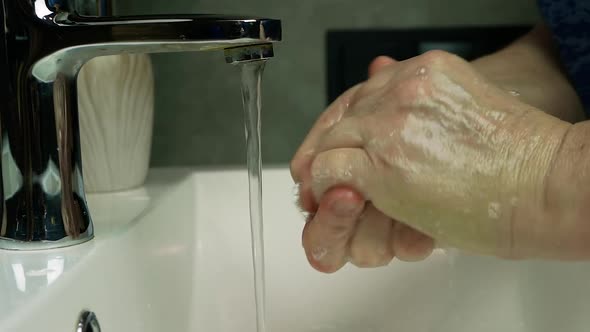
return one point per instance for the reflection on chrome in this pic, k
(13, 178)
(49, 180)
(41, 9)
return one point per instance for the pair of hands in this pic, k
(425, 149)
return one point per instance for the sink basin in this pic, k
(175, 255)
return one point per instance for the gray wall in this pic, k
(199, 119)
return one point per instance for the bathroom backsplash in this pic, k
(198, 113)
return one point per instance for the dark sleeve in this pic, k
(569, 21)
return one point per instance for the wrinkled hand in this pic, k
(430, 143)
(342, 227)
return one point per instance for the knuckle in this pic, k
(347, 127)
(330, 115)
(361, 94)
(435, 58)
(299, 165)
(418, 80)
(410, 89)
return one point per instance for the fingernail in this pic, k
(343, 208)
(318, 253)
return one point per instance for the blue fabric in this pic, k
(53, 3)
(569, 20)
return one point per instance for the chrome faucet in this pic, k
(43, 45)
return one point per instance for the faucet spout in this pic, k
(242, 54)
(89, 37)
(43, 45)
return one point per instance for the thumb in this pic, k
(350, 167)
(379, 63)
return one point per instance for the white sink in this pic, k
(175, 256)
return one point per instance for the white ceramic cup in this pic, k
(116, 112)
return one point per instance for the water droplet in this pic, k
(514, 93)
(494, 210)
(347, 173)
(183, 37)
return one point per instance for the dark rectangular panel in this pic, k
(349, 52)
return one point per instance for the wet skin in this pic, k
(428, 149)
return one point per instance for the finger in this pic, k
(371, 243)
(360, 125)
(301, 163)
(342, 167)
(379, 63)
(326, 236)
(411, 245)
(331, 116)
(346, 134)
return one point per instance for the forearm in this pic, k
(530, 66)
(550, 218)
(567, 192)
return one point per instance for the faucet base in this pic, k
(43, 45)
(10, 244)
